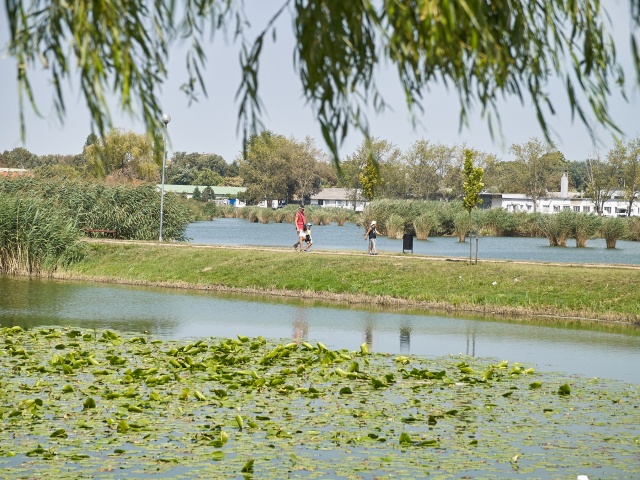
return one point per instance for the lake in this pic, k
(237, 231)
(594, 351)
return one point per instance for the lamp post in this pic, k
(165, 119)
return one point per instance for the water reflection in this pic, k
(601, 351)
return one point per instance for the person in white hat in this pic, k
(371, 235)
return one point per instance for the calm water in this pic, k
(174, 314)
(235, 231)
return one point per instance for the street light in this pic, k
(165, 119)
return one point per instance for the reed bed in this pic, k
(35, 237)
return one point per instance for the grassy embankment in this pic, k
(504, 288)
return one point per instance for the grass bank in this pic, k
(605, 293)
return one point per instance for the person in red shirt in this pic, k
(299, 222)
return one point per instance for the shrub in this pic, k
(423, 224)
(462, 225)
(557, 227)
(263, 214)
(612, 230)
(586, 227)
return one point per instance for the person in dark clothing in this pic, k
(371, 235)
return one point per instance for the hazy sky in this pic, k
(210, 125)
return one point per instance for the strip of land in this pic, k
(604, 293)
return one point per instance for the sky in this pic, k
(210, 125)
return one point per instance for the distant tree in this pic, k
(207, 194)
(305, 169)
(92, 139)
(578, 175)
(541, 167)
(19, 158)
(197, 195)
(422, 169)
(603, 181)
(125, 152)
(208, 177)
(264, 167)
(370, 178)
(626, 159)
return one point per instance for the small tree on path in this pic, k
(472, 186)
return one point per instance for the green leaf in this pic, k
(564, 389)
(89, 403)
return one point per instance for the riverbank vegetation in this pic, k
(497, 288)
(76, 402)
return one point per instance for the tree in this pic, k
(541, 168)
(339, 47)
(305, 169)
(603, 181)
(125, 152)
(264, 167)
(626, 159)
(423, 162)
(370, 179)
(472, 186)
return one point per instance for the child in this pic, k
(308, 240)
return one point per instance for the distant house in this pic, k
(11, 172)
(223, 195)
(339, 197)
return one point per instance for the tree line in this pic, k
(275, 167)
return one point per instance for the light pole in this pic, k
(165, 119)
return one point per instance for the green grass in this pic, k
(599, 293)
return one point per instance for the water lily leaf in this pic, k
(239, 421)
(89, 403)
(535, 385)
(346, 391)
(248, 467)
(564, 389)
(123, 426)
(217, 456)
(60, 433)
(364, 349)
(405, 438)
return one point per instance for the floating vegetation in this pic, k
(104, 404)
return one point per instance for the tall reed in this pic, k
(612, 230)
(36, 237)
(586, 227)
(424, 224)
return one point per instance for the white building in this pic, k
(554, 202)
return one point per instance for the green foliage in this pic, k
(395, 226)
(133, 211)
(35, 236)
(424, 224)
(586, 227)
(558, 227)
(123, 48)
(124, 153)
(472, 185)
(370, 178)
(613, 229)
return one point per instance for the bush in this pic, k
(612, 230)
(462, 225)
(36, 236)
(424, 224)
(586, 227)
(558, 227)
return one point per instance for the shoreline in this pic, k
(539, 312)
